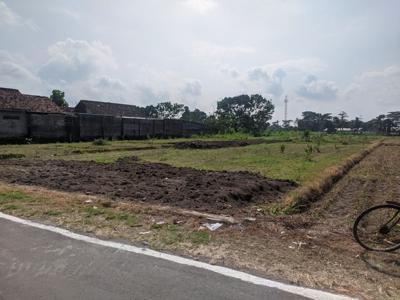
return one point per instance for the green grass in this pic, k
(13, 195)
(267, 159)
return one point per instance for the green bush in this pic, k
(100, 142)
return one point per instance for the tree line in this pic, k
(253, 113)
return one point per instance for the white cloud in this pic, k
(201, 6)
(10, 18)
(213, 51)
(316, 89)
(74, 60)
(302, 65)
(7, 16)
(376, 88)
(15, 74)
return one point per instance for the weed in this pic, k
(156, 226)
(53, 213)
(308, 150)
(94, 211)
(11, 155)
(11, 207)
(200, 237)
(13, 195)
(282, 148)
(100, 142)
(306, 136)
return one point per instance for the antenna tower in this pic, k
(286, 103)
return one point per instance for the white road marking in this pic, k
(297, 290)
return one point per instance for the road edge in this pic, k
(297, 290)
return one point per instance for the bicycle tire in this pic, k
(362, 216)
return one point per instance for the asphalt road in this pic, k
(38, 264)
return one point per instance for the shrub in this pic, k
(306, 135)
(100, 142)
(11, 155)
(308, 150)
(283, 147)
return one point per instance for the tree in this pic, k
(343, 119)
(57, 97)
(247, 113)
(194, 116)
(314, 121)
(165, 110)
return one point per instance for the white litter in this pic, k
(89, 201)
(144, 232)
(213, 226)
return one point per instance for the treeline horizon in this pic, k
(253, 113)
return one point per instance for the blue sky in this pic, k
(327, 56)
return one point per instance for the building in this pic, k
(12, 99)
(108, 108)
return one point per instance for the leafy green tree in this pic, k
(246, 113)
(314, 121)
(57, 97)
(194, 116)
(165, 110)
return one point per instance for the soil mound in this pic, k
(154, 183)
(217, 144)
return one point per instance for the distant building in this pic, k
(108, 108)
(13, 99)
(349, 130)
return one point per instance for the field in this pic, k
(160, 193)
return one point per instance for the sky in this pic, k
(325, 56)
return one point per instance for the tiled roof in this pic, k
(13, 99)
(108, 108)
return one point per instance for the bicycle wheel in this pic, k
(378, 228)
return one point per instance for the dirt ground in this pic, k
(220, 144)
(152, 183)
(314, 248)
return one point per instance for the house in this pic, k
(12, 99)
(108, 108)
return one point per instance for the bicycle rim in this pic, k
(378, 228)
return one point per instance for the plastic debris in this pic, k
(212, 226)
(144, 232)
(89, 201)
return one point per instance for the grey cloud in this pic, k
(74, 60)
(192, 88)
(279, 74)
(316, 89)
(258, 74)
(270, 84)
(110, 83)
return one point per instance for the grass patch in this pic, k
(93, 211)
(11, 207)
(53, 213)
(100, 142)
(301, 198)
(13, 195)
(201, 237)
(128, 219)
(11, 155)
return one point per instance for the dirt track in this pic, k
(127, 179)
